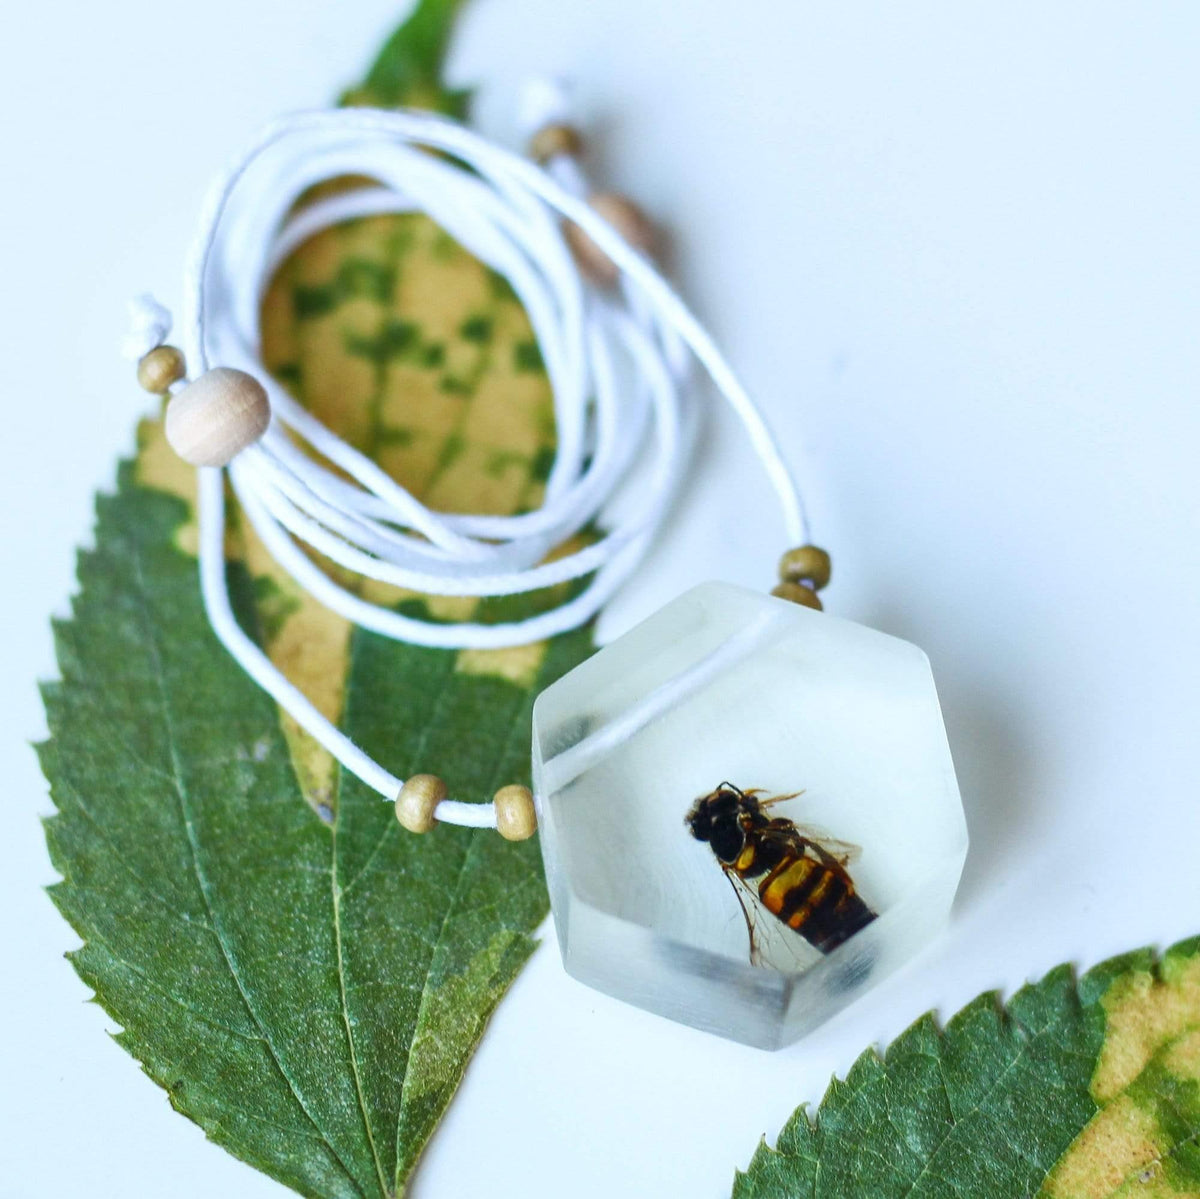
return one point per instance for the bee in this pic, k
(798, 878)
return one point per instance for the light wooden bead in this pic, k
(217, 416)
(798, 593)
(806, 564)
(515, 818)
(628, 220)
(551, 141)
(160, 368)
(418, 800)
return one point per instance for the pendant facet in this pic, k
(748, 813)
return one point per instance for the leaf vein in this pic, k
(180, 789)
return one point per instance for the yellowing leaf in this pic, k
(1070, 1091)
(307, 980)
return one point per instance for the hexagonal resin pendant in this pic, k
(748, 813)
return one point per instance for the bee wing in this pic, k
(772, 944)
(804, 839)
(842, 852)
(748, 902)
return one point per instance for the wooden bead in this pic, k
(628, 220)
(160, 368)
(551, 141)
(798, 593)
(806, 564)
(217, 416)
(418, 800)
(515, 818)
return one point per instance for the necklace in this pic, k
(672, 769)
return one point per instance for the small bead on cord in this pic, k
(614, 360)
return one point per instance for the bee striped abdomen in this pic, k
(815, 900)
(786, 890)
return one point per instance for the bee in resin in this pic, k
(783, 875)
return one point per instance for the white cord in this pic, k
(149, 326)
(614, 363)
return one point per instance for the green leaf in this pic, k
(305, 979)
(408, 71)
(1070, 1091)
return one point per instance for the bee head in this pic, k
(713, 812)
(699, 821)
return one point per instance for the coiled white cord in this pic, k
(615, 364)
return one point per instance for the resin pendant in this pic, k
(748, 813)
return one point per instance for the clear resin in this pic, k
(739, 699)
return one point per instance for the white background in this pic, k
(954, 250)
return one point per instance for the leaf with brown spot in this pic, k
(306, 980)
(1069, 1091)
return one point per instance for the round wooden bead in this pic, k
(217, 416)
(798, 593)
(515, 818)
(628, 220)
(551, 141)
(160, 368)
(806, 564)
(418, 800)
